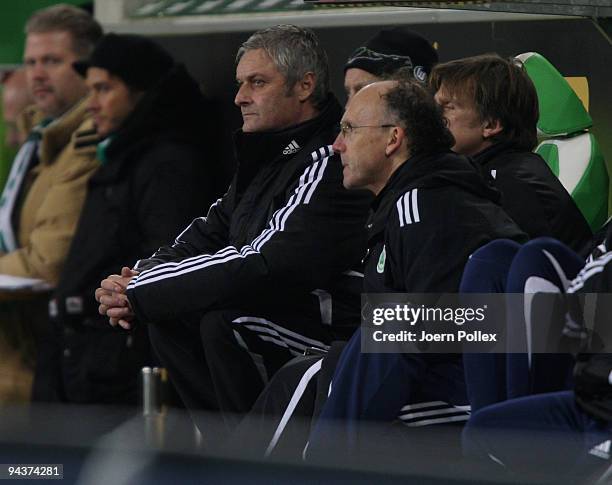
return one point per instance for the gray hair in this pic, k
(295, 51)
(84, 29)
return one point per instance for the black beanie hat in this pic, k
(392, 49)
(138, 61)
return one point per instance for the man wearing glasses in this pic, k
(432, 210)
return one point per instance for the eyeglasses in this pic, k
(346, 128)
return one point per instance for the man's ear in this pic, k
(396, 138)
(490, 128)
(305, 86)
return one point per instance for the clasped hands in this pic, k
(113, 301)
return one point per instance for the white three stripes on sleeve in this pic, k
(302, 195)
(408, 208)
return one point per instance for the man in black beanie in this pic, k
(390, 52)
(153, 179)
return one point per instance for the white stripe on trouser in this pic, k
(427, 422)
(456, 413)
(425, 414)
(281, 332)
(537, 284)
(533, 285)
(295, 398)
(420, 405)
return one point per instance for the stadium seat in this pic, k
(566, 144)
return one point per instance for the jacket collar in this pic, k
(491, 153)
(428, 171)
(262, 147)
(58, 133)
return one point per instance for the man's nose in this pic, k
(339, 146)
(242, 96)
(92, 102)
(38, 71)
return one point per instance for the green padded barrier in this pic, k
(561, 111)
(550, 153)
(569, 149)
(579, 164)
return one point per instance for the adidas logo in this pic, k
(602, 450)
(293, 147)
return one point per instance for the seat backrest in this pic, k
(569, 149)
(580, 166)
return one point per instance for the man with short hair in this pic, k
(154, 179)
(492, 110)
(267, 272)
(394, 143)
(42, 200)
(390, 53)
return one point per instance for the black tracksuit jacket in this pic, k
(433, 213)
(534, 197)
(285, 229)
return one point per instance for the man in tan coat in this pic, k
(42, 200)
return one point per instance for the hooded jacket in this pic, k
(534, 197)
(153, 180)
(285, 231)
(434, 212)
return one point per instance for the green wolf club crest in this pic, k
(380, 267)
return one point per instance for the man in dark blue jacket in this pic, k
(432, 210)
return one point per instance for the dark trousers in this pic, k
(547, 433)
(280, 421)
(383, 387)
(543, 264)
(222, 361)
(550, 432)
(87, 364)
